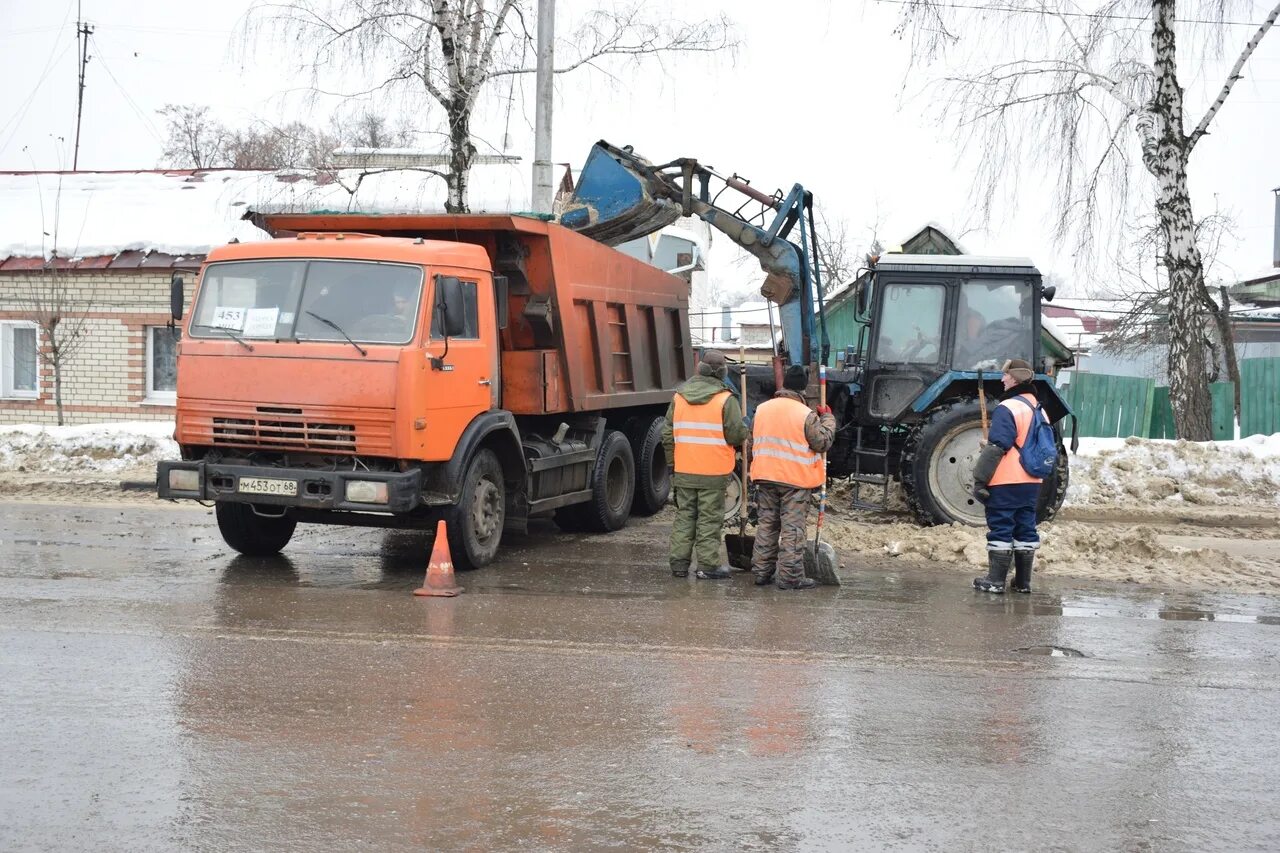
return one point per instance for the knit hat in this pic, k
(796, 378)
(1019, 370)
(713, 364)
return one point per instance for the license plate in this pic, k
(267, 486)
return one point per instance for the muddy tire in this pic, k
(475, 524)
(251, 534)
(653, 477)
(937, 465)
(612, 490)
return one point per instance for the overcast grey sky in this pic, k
(818, 93)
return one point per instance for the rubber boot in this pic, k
(764, 579)
(803, 583)
(679, 570)
(717, 574)
(1022, 562)
(997, 570)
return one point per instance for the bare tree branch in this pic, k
(1203, 127)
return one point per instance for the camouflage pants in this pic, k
(780, 532)
(699, 520)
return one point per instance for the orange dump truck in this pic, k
(389, 371)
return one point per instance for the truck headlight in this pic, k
(184, 480)
(366, 492)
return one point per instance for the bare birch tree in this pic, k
(1084, 97)
(447, 51)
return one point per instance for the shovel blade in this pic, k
(821, 565)
(740, 549)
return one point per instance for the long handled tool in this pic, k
(820, 558)
(982, 405)
(737, 545)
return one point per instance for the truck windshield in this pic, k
(993, 323)
(371, 302)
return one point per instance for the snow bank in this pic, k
(105, 448)
(1146, 472)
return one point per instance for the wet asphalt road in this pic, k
(159, 693)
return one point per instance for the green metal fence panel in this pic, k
(1111, 406)
(1259, 396)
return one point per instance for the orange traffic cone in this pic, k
(439, 580)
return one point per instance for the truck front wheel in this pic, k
(475, 528)
(251, 534)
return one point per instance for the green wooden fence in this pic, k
(1223, 414)
(1111, 406)
(1121, 406)
(1259, 396)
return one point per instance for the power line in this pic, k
(1056, 14)
(129, 100)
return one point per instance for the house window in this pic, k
(19, 376)
(162, 364)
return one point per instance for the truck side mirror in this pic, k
(450, 305)
(176, 298)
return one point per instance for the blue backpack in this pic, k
(1039, 453)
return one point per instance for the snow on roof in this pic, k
(190, 212)
(1261, 276)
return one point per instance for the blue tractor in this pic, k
(909, 396)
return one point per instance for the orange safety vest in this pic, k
(698, 430)
(1010, 471)
(780, 453)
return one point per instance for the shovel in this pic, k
(739, 546)
(819, 556)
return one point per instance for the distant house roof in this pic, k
(929, 239)
(152, 214)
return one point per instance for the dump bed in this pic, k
(589, 327)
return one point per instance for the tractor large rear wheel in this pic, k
(937, 468)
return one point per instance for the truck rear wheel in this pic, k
(251, 534)
(475, 525)
(612, 490)
(653, 477)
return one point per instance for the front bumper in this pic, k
(315, 489)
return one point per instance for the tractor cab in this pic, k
(933, 321)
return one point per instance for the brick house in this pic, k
(120, 236)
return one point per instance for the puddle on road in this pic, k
(1052, 651)
(1135, 611)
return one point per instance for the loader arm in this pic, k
(620, 196)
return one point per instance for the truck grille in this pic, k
(315, 429)
(285, 429)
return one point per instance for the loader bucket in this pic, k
(614, 200)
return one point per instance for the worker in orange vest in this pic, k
(786, 442)
(704, 424)
(1010, 494)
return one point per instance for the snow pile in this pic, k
(104, 448)
(1147, 472)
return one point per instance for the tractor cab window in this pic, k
(910, 328)
(993, 323)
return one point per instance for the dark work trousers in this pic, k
(1011, 517)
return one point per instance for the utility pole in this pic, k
(543, 196)
(83, 31)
